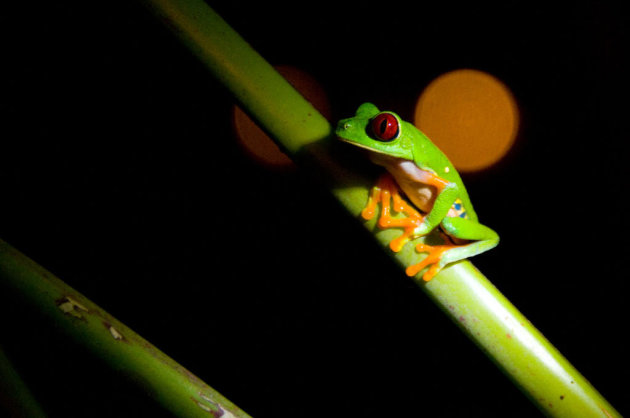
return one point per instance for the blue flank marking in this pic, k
(459, 209)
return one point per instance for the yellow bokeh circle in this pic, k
(471, 116)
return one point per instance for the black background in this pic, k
(120, 174)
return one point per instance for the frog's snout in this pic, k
(343, 126)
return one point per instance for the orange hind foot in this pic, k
(387, 194)
(435, 253)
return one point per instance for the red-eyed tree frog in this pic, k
(428, 180)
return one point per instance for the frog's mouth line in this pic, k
(356, 144)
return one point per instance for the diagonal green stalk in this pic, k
(461, 291)
(170, 384)
(16, 399)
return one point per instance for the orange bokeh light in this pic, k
(471, 116)
(256, 142)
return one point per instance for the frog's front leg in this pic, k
(480, 237)
(386, 193)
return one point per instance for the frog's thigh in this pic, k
(466, 229)
(482, 237)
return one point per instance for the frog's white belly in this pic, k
(421, 195)
(411, 179)
(413, 182)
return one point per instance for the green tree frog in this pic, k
(427, 179)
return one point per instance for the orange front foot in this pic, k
(432, 259)
(386, 192)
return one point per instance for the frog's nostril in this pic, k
(343, 125)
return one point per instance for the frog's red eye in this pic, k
(385, 127)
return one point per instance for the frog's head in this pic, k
(380, 132)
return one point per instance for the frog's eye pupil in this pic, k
(385, 127)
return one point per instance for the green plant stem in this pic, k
(16, 400)
(462, 292)
(177, 389)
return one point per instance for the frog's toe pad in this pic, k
(432, 259)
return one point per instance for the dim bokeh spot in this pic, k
(257, 143)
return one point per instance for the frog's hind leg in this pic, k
(480, 236)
